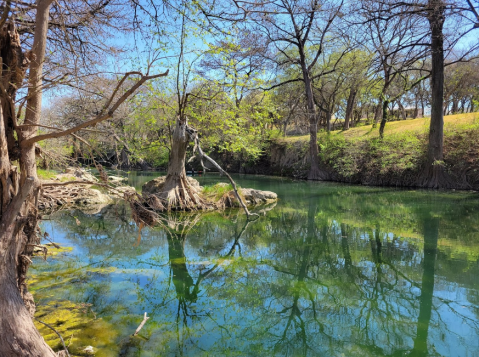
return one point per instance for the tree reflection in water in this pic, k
(431, 232)
(186, 288)
(328, 274)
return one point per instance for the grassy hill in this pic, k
(416, 126)
(358, 155)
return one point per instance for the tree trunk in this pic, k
(384, 118)
(124, 159)
(455, 106)
(434, 175)
(377, 114)
(431, 230)
(402, 110)
(18, 213)
(18, 334)
(350, 107)
(314, 172)
(177, 193)
(416, 110)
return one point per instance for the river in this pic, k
(331, 270)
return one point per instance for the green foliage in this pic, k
(225, 127)
(338, 153)
(398, 152)
(461, 143)
(395, 153)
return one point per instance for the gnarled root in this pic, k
(435, 176)
(178, 195)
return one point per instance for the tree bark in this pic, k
(402, 110)
(314, 172)
(350, 107)
(177, 193)
(377, 113)
(18, 334)
(384, 118)
(434, 175)
(436, 133)
(18, 214)
(329, 126)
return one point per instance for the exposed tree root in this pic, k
(316, 174)
(435, 176)
(179, 195)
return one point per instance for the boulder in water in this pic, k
(79, 173)
(255, 197)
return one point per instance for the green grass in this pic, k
(414, 126)
(216, 191)
(46, 174)
(360, 151)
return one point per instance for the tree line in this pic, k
(250, 71)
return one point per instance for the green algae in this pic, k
(56, 250)
(65, 275)
(78, 325)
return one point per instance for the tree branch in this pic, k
(100, 117)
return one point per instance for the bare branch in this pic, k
(101, 117)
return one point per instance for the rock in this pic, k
(194, 183)
(88, 351)
(79, 173)
(254, 197)
(268, 207)
(155, 186)
(116, 179)
(91, 196)
(93, 209)
(250, 196)
(63, 178)
(126, 189)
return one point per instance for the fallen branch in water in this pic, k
(145, 318)
(61, 338)
(194, 136)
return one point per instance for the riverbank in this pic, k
(359, 156)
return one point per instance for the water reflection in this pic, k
(431, 230)
(329, 272)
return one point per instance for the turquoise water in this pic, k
(331, 270)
